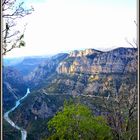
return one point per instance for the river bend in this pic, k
(6, 117)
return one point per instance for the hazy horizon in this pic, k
(49, 55)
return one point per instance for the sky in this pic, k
(58, 26)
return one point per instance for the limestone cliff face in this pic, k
(83, 52)
(44, 70)
(92, 61)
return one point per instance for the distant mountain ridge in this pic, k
(93, 61)
(76, 72)
(24, 64)
(12, 61)
(40, 71)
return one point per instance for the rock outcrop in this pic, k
(91, 61)
(82, 53)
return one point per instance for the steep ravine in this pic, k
(79, 74)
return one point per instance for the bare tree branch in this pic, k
(11, 11)
(130, 43)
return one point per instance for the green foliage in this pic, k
(77, 122)
(21, 44)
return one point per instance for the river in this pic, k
(6, 117)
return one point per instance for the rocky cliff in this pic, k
(91, 61)
(45, 70)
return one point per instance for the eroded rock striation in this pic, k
(92, 61)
